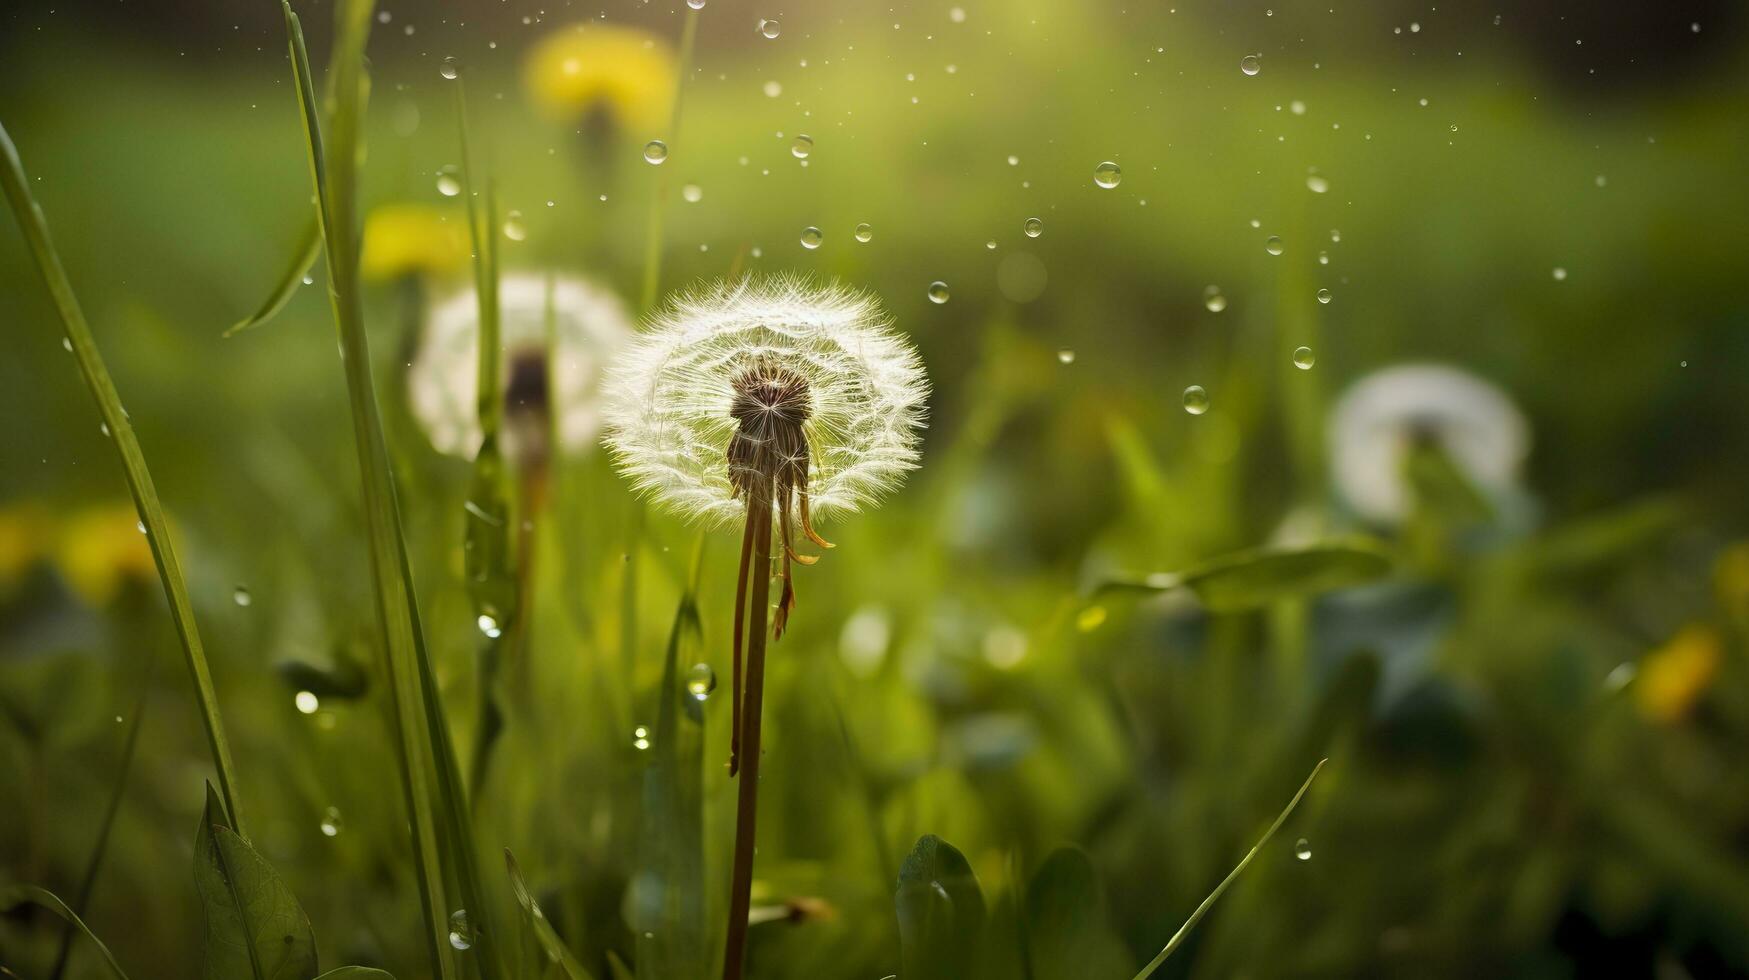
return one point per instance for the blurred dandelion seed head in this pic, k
(674, 395)
(590, 324)
(1379, 417)
(585, 68)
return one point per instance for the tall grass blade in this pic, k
(551, 945)
(309, 246)
(139, 478)
(1220, 889)
(659, 196)
(16, 895)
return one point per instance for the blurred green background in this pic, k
(1535, 723)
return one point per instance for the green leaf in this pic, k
(356, 973)
(1068, 936)
(1256, 577)
(941, 912)
(309, 246)
(549, 941)
(254, 924)
(16, 895)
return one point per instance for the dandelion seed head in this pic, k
(716, 357)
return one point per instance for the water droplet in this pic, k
(1335, 234)
(1621, 676)
(67, 344)
(1033, 227)
(1304, 358)
(1316, 184)
(461, 930)
(641, 738)
(241, 596)
(1323, 295)
(514, 229)
(449, 180)
(655, 152)
(1214, 299)
(692, 193)
(306, 702)
(958, 16)
(1303, 849)
(488, 624)
(1272, 244)
(864, 232)
(1560, 274)
(811, 237)
(1251, 64)
(309, 280)
(1196, 400)
(1065, 355)
(331, 822)
(1107, 175)
(701, 680)
(450, 68)
(938, 292)
(103, 427)
(695, 4)
(140, 526)
(1013, 161)
(769, 28)
(773, 89)
(803, 145)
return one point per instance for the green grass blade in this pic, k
(551, 945)
(1207, 903)
(139, 478)
(309, 246)
(334, 176)
(16, 895)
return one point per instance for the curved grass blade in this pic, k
(254, 924)
(550, 943)
(356, 973)
(1220, 889)
(1256, 577)
(16, 895)
(139, 478)
(334, 177)
(309, 246)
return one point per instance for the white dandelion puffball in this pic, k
(670, 393)
(1376, 420)
(589, 325)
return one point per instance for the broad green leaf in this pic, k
(17, 895)
(254, 925)
(356, 973)
(941, 912)
(303, 257)
(1249, 579)
(550, 943)
(1068, 936)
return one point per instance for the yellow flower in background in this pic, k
(100, 549)
(626, 72)
(1674, 676)
(402, 239)
(24, 539)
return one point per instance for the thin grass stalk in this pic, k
(659, 196)
(758, 531)
(1207, 903)
(333, 177)
(139, 478)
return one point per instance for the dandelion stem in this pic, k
(747, 793)
(735, 663)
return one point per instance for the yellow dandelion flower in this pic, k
(628, 73)
(100, 549)
(401, 239)
(1674, 676)
(24, 540)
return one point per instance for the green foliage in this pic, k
(941, 912)
(12, 896)
(254, 924)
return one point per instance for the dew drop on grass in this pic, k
(864, 232)
(1107, 175)
(1304, 358)
(67, 344)
(449, 181)
(140, 526)
(769, 28)
(641, 738)
(514, 229)
(1303, 849)
(1033, 227)
(1272, 244)
(1323, 295)
(461, 930)
(331, 822)
(1251, 64)
(306, 702)
(692, 193)
(802, 146)
(701, 680)
(938, 292)
(1214, 299)
(489, 626)
(1196, 400)
(695, 4)
(451, 68)
(811, 237)
(103, 427)
(309, 280)
(241, 596)
(1066, 355)
(655, 152)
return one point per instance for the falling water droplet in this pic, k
(1066, 355)
(802, 146)
(514, 229)
(864, 232)
(695, 4)
(461, 930)
(1560, 274)
(1303, 849)
(449, 181)
(769, 28)
(1107, 174)
(1316, 184)
(655, 152)
(701, 680)
(938, 292)
(331, 822)
(450, 68)
(489, 626)
(811, 237)
(1214, 299)
(1304, 358)
(1251, 64)
(306, 702)
(641, 738)
(1323, 295)
(1272, 244)
(241, 596)
(692, 193)
(1033, 227)
(1196, 400)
